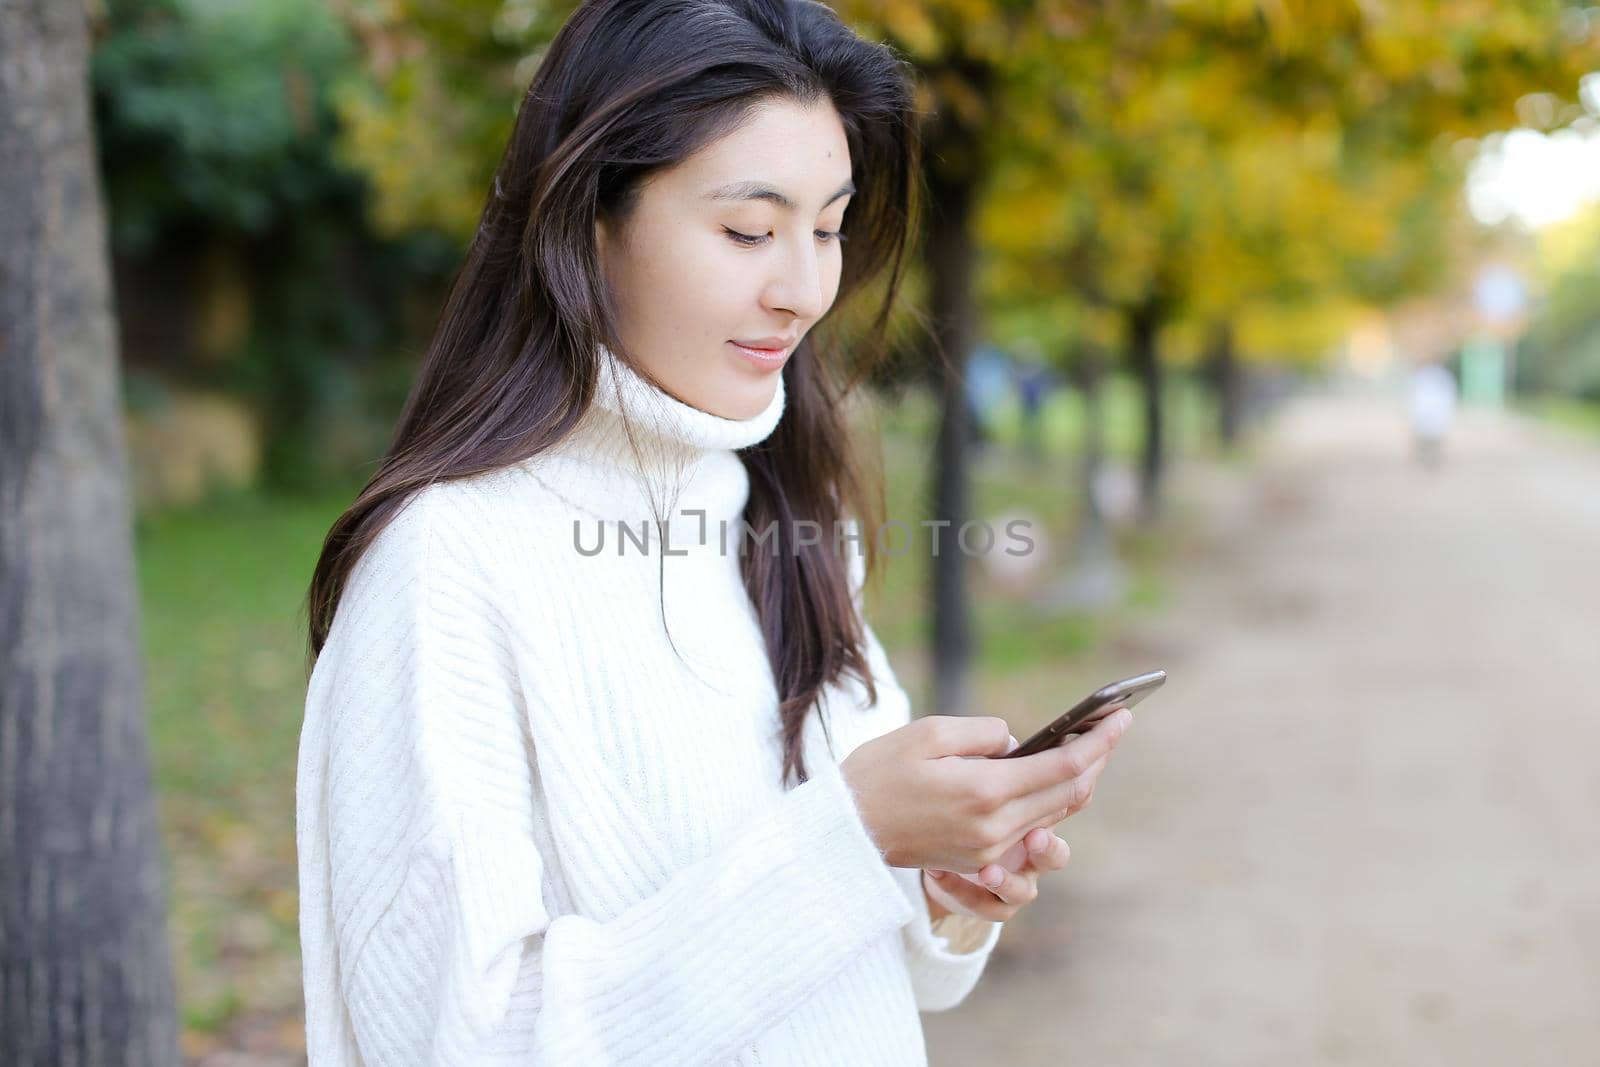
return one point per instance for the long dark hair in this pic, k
(628, 87)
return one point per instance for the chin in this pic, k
(747, 402)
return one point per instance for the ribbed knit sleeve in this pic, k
(691, 974)
(447, 950)
(945, 959)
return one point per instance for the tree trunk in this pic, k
(1227, 381)
(85, 974)
(1091, 379)
(1144, 325)
(949, 258)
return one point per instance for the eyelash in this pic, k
(745, 240)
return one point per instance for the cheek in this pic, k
(721, 284)
(690, 285)
(830, 281)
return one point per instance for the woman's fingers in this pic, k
(1051, 806)
(1030, 775)
(1015, 888)
(1055, 855)
(968, 897)
(1015, 857)
(1046, 850)
(1035, 849)
(995, 893)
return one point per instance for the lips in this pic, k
(766, 344)
(762, 357)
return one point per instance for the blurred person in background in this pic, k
(1431, 405)
(1035, 381)
(988, 381)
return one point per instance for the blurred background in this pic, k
(1278, 319)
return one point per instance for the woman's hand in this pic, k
(927, 802)
(1000, 889)
(1008, 890)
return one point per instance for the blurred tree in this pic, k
(209, 112)
(218, 138)
(964, 51)
(1222, 163)
(446, 78)
(1561, 352)
(85, 972)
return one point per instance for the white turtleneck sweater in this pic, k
(529, 833)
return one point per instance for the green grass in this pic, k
(1568, 413)
(1190, 413)
(221, 587)
(1009, 636)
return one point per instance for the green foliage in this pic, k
(214, 113)
(1561, 352)
(218, 132)
(446, 80)
(1266, 163)
(321, 366)
(1257, 163)
(1269, 165)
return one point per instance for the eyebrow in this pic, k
(754, 190)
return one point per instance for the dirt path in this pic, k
(1359, 825)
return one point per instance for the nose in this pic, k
(796, 285)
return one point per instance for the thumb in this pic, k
(969, 735)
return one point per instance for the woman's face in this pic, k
(734, 244)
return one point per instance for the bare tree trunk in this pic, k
(1227, 382)
(949, 254)
(1095, 580)
(85, 972)
(1091, 379)
(1144, 355)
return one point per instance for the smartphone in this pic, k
(1090, 710)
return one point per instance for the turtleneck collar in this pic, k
(640, 454)
(623, 392)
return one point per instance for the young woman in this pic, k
(601, 763)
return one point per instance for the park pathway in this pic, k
(1359, 825)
